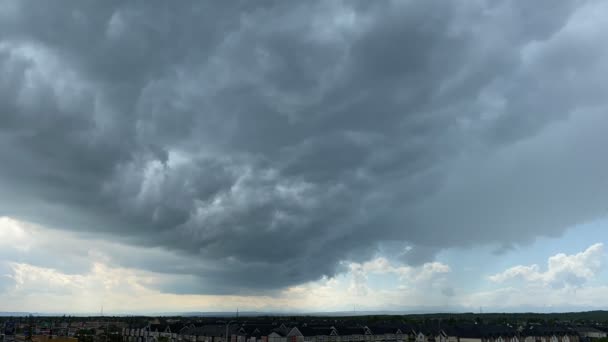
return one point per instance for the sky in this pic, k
(303, 156)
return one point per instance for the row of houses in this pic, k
(358, 333)
(57, 328)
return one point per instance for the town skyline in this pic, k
(572, 327)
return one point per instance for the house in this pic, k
(548, 333)
(279, 334)
(498, 333)
(586, 332)
(465, 333)
(259, 332)
(391, 332)
(430, 333)
(208, 333)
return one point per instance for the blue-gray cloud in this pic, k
(262, 143)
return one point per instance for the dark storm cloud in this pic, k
(264, 142)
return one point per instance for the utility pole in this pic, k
(107, 332)
(227, 326)
(29, 329)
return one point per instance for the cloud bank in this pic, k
(258, 146)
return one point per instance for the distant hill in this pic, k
(596, 316)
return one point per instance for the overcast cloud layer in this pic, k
(264, 144)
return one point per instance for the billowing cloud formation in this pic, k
(570, 282)
(38, 255)
(372, 285)
(262, 144)
(562, 270)
(410, 277)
